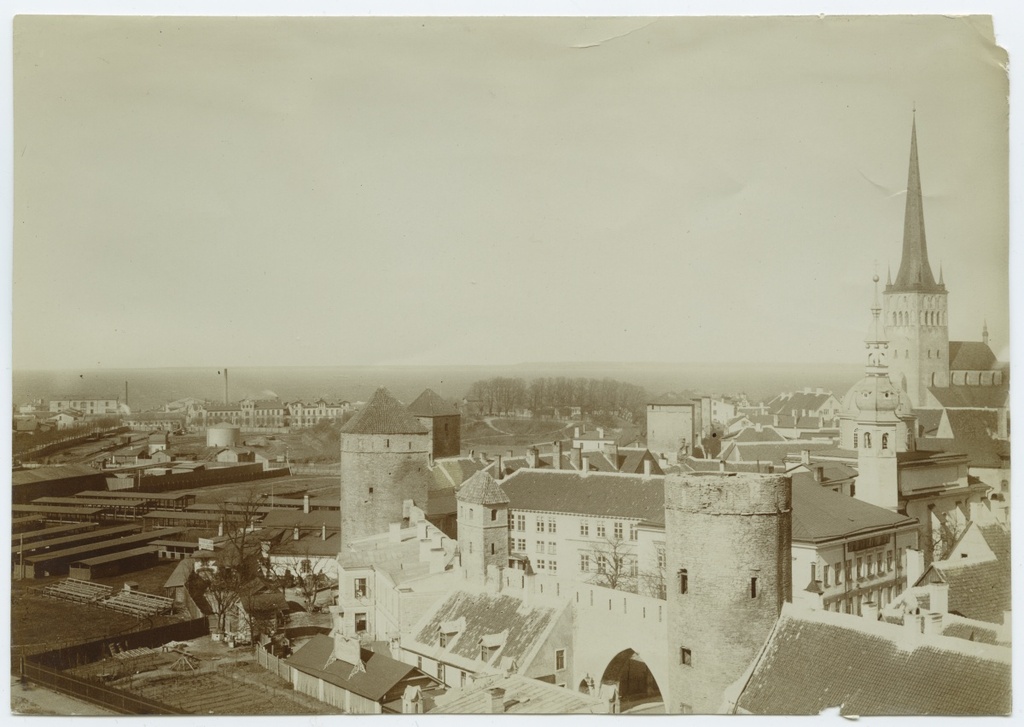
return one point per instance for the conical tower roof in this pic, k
(430, 404)
(915, 273)
(482, 489)
(383, 414)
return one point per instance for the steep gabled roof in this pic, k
(383, 414)
(971, 356)
(430, 404)
(972, 397)
(819, 659)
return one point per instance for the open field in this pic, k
(495, 434)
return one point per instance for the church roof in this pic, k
(430, 404)
(915, 273)
(383, 414)
(971, 397)
(971, 356)
(482, 489)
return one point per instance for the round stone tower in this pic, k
(385, 461)
(483, 525)
(729, 570)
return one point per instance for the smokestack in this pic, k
(225, 386)
(556, 455)
(531, 457)
(586, 464)
(577, 457)
(499, 470)
(938, 597)
(295, 533)
(496, 701)
(933, 623)
(323, 532)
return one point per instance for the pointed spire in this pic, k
(915, 273)
(984, 332)
(888, 276)
(876, 342)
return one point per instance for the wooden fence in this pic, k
(273, 664)
(114, 699)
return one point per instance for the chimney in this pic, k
(914, 566)
(295, 533)
(576, 433)
(647, 468)
(305, 504)
(495, 578)
(346, 648)
(600, 432)
(531, 457)
(556, 455)
(805, 457)
(611, 451)
(395, 532)
(869, 610)
(758, 427)
(912, 624)
(495, 701)
(323, 532)
(577, 457)
(933, 623)
(511, 454)
(721, 465)
(819, 473)
(585, 461)
(421, 530)
(220, 529)
(775, 420)
(499, 470)
(938, 597)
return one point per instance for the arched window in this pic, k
(867, 440)
(684, 581)
(885, 441)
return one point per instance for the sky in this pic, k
(430, 191)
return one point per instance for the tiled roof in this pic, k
(971, 356)
(973, 423)
(292, 518)
(980, 589)
(430, 404)
(633, 463)
(969, 631)
(522, 696)
(992, 453)
(821, 514)
(486, 614)
(928, 419)
(774, 451)
(751, 434)
(597, 494)
(671, 398)
(972, 397)
(482, 489)
(442, 502)
(380, 674)
(383, 414)
(819, 659)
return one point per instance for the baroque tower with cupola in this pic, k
(915, 305)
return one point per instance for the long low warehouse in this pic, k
(62, 513)
(113, 564)
(58, 562)
(63, 542)
(52, 532)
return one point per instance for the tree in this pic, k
(944, 534)
(652, 582)
(308, 574)
(616, 565)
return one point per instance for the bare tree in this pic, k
(652, 582)
(941, 539)
(309, 576)
(616, 565)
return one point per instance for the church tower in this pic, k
(915, 305)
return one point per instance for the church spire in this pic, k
(915, 273)
(876, 341)
(984, 332)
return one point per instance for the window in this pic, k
(551, 548)
(684, 581)
(685, 658)
(419, 663)
(559, 659)
(871, 566)
(600, 530)
(853, 490)
(462, 674)
(602, 564)
(494, 516)
(885, 441)
(540, 564)
(552, 566)
(360, 621)
(618, 531)
(584, 528)
(521, 523)
(824, 575)
(371, 490)
(661, 557)
(584, 562)
(814, 572)
(888, 561)
(470, 544)
(492, 548)
(856, 433)
(634, 567)
(552, 525)
(540, 525)
(360, 588)
(878, 559)
(539, 546)
(521, 545)
(485, 654)
(753, 587)
(442, 640)
(860, 568)
(632, 532)
(440, 671)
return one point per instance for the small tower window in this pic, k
(885, 441)
(753, 587)
(684, 581)
(867, 440)
(685, 657)
(492, 548)
(494, 515)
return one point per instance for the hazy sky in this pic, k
(427, 191)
